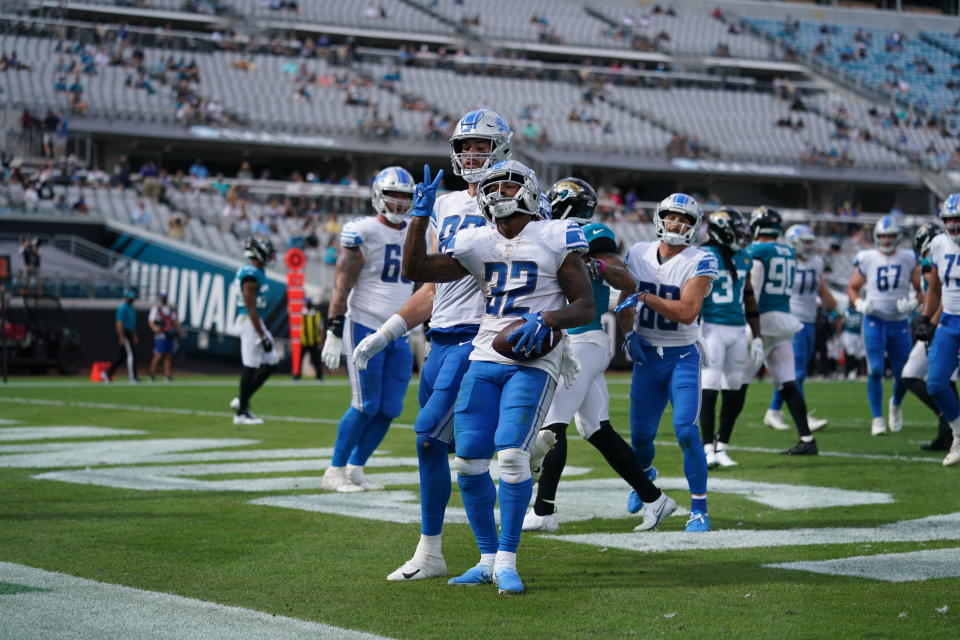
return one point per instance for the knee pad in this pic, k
(688, 436)
(514, 465)
(470, 466)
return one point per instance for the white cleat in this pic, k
(953, 456)
(545, 441)
(419, 568)
(533, 522)
(356, 476)
(878, 427)
(723, 458)
(335, 479)
(104, 377)
(656, 512)
(246, 418)
(774, 420)
(235, 404)
(816, 424)
(710, 451)
(895, 417)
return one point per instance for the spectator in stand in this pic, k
(177, 226)
(142, 216)
(50, 122)
(121, 173)
(125, 325)
(260, 227)
(199, 170)
(30, 255)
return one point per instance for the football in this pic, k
(502, 346)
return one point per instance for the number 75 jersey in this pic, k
(666, 281)
(381, 289)
(888, 279)
(516, 275)
(945, 255)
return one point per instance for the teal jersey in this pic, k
(250, 271)
(925, 265)
(852, 320)
(602, 240)
(724, 305)
(127, 316)
(779, 263)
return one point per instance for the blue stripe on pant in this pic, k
(885, 338)
(941, 362)
(675, 377)
(439, 384)
(804, 342)
(378, 393)
(499, 407)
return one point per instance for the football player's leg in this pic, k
(474, 424)
(899, 344)
(648, 399)
(783, 370)
(397, 371)
(251, 355)
(800, 358)
(526, 398)
(941, 362)
(716, 353)
(434, 429)
(366, 393)
(874, 339)
(684, 392)
(268, 365)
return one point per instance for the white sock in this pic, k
(806, 438)
(429, 546)
(488, 558)
(505, 559)
(955, 425)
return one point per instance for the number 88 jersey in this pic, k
(888, 279)
(945, 255)
(666, 281)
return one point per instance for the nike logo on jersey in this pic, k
(407, 576)
(463, 343)
(683, 355)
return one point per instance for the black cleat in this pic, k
(941, 443)
(802, 449)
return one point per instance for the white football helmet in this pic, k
(887, 227)
(950, 214)
(487, 125)
(683, 204)
(801, 238)
(504, 177)
(389, 187)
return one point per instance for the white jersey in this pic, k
(461, 302)
(666, 281)
(381, 289)
(517, 275)
(888, 279)
(945, 255)
(806, 284)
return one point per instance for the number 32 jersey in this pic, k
(666, 281)
(888, 279)
(381, 289)
(517, 276)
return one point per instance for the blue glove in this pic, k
(631, 301)
(425, 193)
(634, 345)
(528, 338)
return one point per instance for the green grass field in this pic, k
(212, 544)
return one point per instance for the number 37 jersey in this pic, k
(517, 276)
(381, 289)
(666, 281)
(888, 279)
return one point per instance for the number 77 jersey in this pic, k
(667, 281)
(888, 279)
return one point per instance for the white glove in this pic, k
(863, 306)
(569, 365)
(704, 358)
(907, 305)
(332, 350)
(393, 328)
(755, 350)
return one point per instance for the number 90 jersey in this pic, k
(381, 289)
(888, 279)
(774, 267)
(517, 276)
(457, 303)
(666, 281)
(945, 256)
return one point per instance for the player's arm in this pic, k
(687, 308)
(250, 290)
(857, 280)
(931, 302)
(345, 276)
(420, 266)
(750, 308)
(615, 271)
(826, 297)
(419, 307)
(626, 316)
(917, 286)
(573, 280)
(152, 321)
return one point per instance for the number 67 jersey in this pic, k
(666, 281)
(888, 279)
(517, 276)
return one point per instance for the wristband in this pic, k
(335, 325)
(603, 265)
(394, 327)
